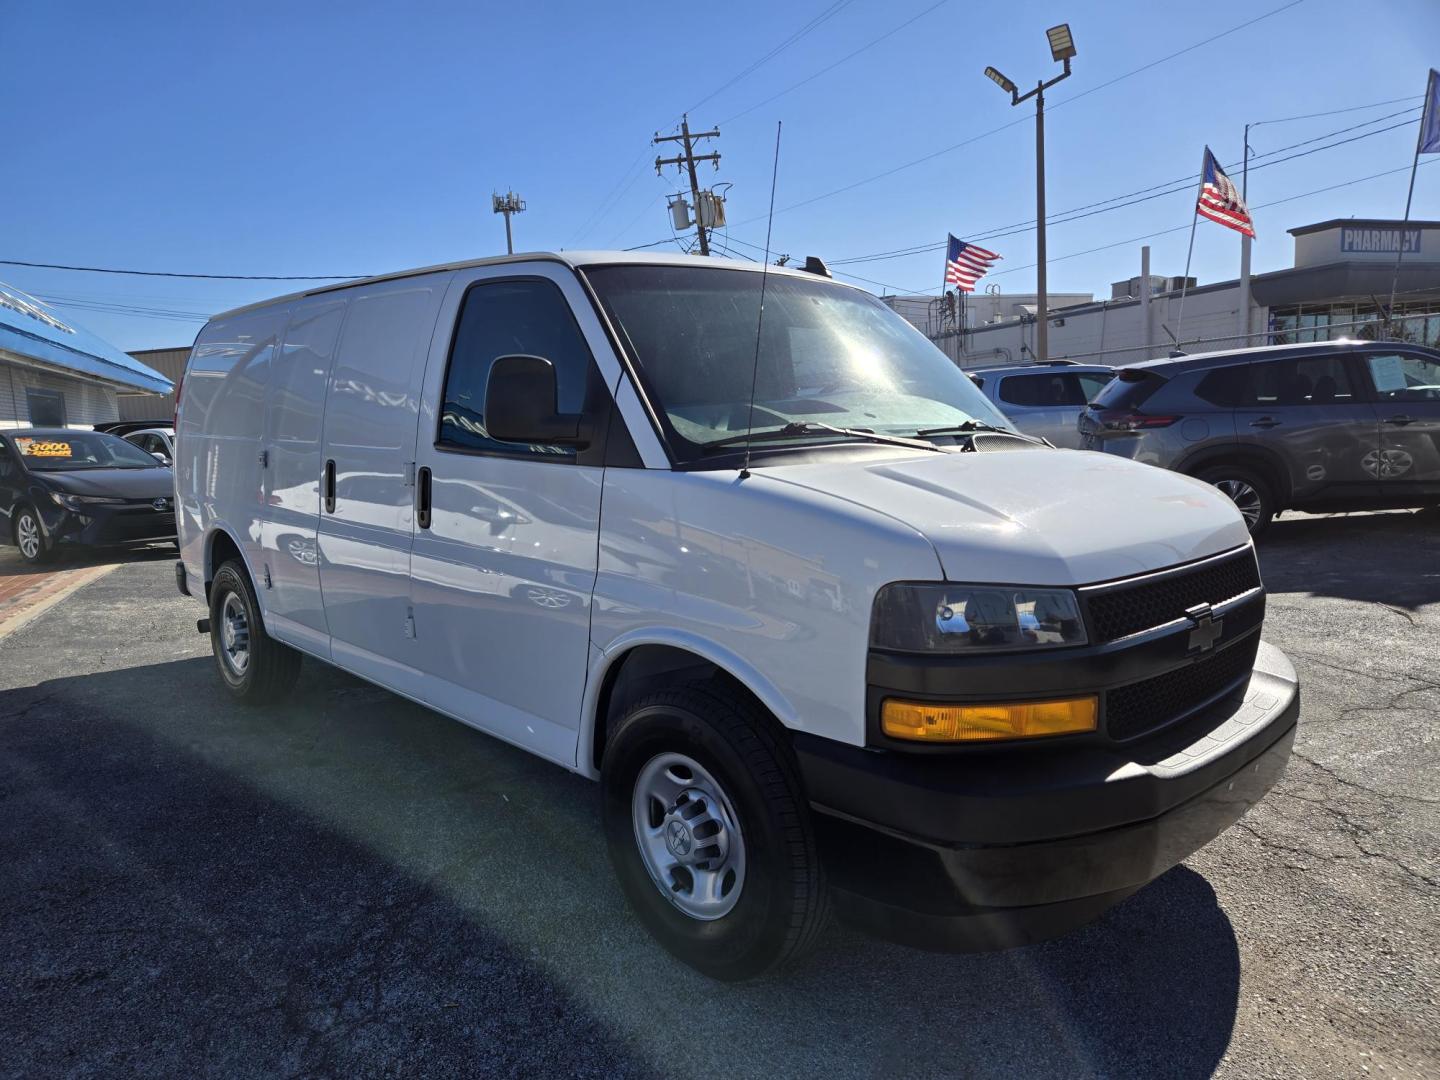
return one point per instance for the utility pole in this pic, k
(688, 159)
(507, 204)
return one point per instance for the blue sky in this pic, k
(270, 138)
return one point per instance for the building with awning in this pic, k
(56, 374)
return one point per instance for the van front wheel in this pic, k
(255, 668)
(709, 832)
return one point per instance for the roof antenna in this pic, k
(760, 318)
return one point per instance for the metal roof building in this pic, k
(53, 372)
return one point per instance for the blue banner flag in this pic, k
(1430, 121)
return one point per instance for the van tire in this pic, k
(1233, 480)
(783, 903)
(270, 668)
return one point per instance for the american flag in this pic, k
(966, 264)
(1220, 201)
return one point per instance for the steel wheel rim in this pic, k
(28, 536)
(1245, 498)
(688, 836)
(234, 636)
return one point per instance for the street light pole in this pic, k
(1062, 49)
(1042, 300)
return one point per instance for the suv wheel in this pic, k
(709, 832)
(30, 537)
(1250, 494)
(255, 668)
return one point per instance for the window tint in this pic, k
(1091, 383)
(1223, 386)
(1405, 377)
(1040, 391)
(509, 318)
(1304, 380)
(1129, 389)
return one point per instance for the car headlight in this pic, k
(80, 503)
(944, 618)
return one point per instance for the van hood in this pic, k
(1036, 517)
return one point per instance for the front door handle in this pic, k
(422, 499)
(1265, 422)
(329, 491)
(1401, 421)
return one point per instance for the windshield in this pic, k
(63, 451)
(829, 355)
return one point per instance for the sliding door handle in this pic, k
(422, 499)
(329, 487)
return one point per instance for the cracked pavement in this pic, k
(350, 885)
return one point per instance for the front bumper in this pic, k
(992, 850)
(105, 526)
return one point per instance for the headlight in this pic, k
(79, 503)
(974, 618)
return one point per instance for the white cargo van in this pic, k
(824, 627)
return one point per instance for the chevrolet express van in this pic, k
(823, 625)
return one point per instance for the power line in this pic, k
(1336, 112)
(824, 16)
(831, 67)
(1181, 228)
(1023, 119)
(1133, 198)
(175, 274)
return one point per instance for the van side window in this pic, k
(508, 318)
(1305, 380)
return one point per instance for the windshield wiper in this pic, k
(966, 428)
(800, 428)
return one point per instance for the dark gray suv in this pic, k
(1336, 425)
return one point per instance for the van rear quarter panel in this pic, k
(771, 581)
(218, 438)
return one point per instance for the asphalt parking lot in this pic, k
(351, 885)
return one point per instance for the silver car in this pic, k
(1337, 425)
(1044, 399)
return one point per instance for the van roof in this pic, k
(573, 259)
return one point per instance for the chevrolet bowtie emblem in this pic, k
(1207, 629)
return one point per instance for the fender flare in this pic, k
(603, 661)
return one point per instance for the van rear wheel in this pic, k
(1247, 490)
(255, 668)
(709, 832)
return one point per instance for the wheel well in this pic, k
(1268, 470)
(649, 667)
(222, 549)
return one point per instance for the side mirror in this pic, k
(521, 404)
(158, 456)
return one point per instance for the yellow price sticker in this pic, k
(37, 448)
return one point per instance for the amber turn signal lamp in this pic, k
(936, 723)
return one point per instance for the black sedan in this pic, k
(60, 486)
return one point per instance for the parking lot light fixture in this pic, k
(1062, 45)
(1000, 80)
(1062, 48)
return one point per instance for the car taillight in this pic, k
(1130, 420)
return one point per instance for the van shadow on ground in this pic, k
(350, 884)
(1388, 558)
